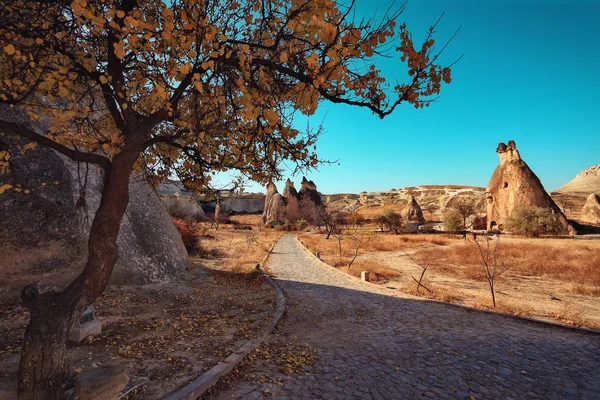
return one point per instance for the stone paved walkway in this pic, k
(372, 345)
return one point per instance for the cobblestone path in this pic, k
(370, 344)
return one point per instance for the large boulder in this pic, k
(590, 213)
(513, 185)
(45, 219)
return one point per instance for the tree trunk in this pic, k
(43, 367)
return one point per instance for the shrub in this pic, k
(189, 235)
(452, 220)
(533, 221)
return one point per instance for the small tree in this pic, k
(393, 220)
(452, 221)
(331, 219)
(465, 210)
(355, 220)
(493, 267)
(381, 222)
(360, 237)
(424, 267)
(533, 222)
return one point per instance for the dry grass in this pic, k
(380, 242)
(574, 262)
(240, 250)
(378, 273)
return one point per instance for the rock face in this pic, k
(44, 224)
(292, 206)
(591, 210)
(587, 181)
(514, 185)
(175, 196)
(412, 215)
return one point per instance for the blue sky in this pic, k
(530, 73)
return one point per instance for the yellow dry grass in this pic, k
(240, 250)
(568, 261)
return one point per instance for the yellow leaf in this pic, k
(9, 49)
(103, 79)
(39, 40)
(124, 106)
(5, 187)
(78, 370)
(283, 57)
(120, 14)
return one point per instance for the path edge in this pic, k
(467, 308)
(201, 384)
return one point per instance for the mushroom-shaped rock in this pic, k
(513, 185)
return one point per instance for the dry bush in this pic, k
(587, 290)
(189, 235)
(571, 262)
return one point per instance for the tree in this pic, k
(186, 88)
(360, 237)
(465, 210)
(331, 219)
(493, 267)
(381, 222)
(355, 220)
(452, 221)
(533, 222)
(392, 219)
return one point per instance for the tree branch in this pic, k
(74, 155)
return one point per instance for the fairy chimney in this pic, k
(412, 215)
(513, 185)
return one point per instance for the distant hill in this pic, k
(586, 182)
(433, 199)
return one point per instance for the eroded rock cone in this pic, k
(513, 185)
(412, 215)
(590, 213)
(274, 212)
(310, 201)
(292, 197)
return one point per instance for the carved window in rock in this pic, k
(505, 185)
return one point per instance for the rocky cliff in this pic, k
(586, 182)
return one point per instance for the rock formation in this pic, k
(45, 220)
(586, 182)
(590, 213)
(310, 201)
(412, 215)
(179, 200)
(514, 185)
(292, 206)
(275, 203)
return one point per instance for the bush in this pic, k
(189, 235)
(453, 221)
(533, 222)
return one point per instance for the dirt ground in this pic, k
(165, 336)
(572, 300)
